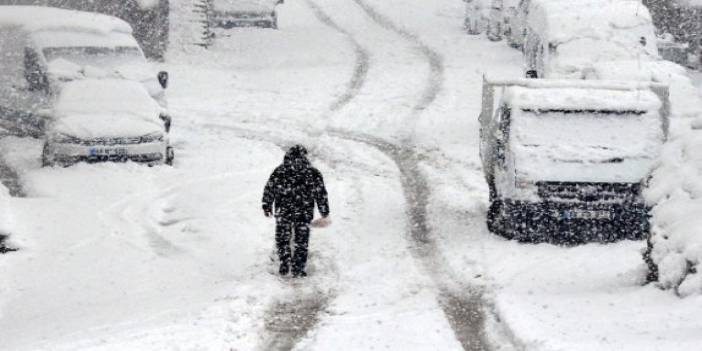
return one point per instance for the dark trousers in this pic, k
(283, 233)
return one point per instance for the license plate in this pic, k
(586, 214)
(107, 151)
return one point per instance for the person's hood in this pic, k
(296, 158)
(107, 125)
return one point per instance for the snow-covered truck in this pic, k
(566, 160)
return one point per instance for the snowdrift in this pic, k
(676, 191)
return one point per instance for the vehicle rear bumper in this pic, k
(576, 222)
(232, 20)
(67, 154)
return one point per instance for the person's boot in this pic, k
(300, 274)
(284, 269)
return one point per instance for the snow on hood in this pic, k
(106, 108)
(250, 6)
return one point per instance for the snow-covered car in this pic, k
(502, 13)
(244, 13)
(106, 120)
(477, 16)
(45, 47)
(567, 160)
(566, 38)
(516, 24)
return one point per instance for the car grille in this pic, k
(589, 192)
(113, 141)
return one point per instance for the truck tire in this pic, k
(170, 156)
(46, 159)
(495, 217)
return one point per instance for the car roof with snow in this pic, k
(40, 18)
(561, 21)
(88, 96)
(581, 99)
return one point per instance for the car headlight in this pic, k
(65, 139)
(152, 138)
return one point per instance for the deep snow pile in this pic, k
(676, 188)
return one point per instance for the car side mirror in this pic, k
(163, 79)
(532, 74)
(166, 121)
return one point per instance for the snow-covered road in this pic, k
(386, 95)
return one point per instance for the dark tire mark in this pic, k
(436, 63)
(288, 321)
(362, 61)
(463, 305)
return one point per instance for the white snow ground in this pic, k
(118, 256)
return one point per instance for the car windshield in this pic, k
(96, 56)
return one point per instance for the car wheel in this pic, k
(170, 155)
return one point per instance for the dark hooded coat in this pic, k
(293, 189)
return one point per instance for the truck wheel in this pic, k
(494, 218)
(170, 156)
(46, 159)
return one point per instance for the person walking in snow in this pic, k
(290, 195)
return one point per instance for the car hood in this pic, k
(106, 125)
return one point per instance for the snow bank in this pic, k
(37, 18)
(676, 189)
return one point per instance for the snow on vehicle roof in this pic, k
(105, 95)
(562, 21)
(573, 99)
(40, 18)
(44, 39)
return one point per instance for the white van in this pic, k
(565, 39)
(566, 160)
(43, 47)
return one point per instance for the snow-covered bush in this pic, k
(676, 192)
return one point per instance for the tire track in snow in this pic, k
(362, 61)
(462, 304)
